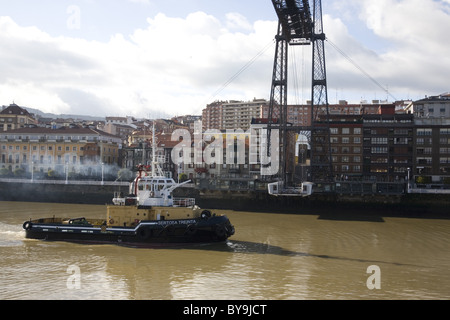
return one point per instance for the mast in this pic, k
(153, 151)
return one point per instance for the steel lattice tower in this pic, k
(297, 26)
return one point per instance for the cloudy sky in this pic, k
(147, 58)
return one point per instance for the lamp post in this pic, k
(102, 172)
(32, 171)
(66, 168)
(409, 182)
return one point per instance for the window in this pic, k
(379, 149)
(401, 131)
(379, 140)
(423, 160)
(424, 132)
(400, 140)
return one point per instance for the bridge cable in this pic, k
(245, 67)
(360, 68)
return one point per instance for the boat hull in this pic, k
(145, 234)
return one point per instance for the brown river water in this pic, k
(271, 257)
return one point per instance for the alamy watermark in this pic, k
(215, 147)
(74, 279)
(374, 280)
(74, 20)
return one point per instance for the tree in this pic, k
(4, 172)
(19, 172)
(182, 177)
(423, 179)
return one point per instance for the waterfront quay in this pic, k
(347, 198)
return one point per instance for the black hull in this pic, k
(146, 234)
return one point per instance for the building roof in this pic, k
(443, 96)
(60, 131)
(15, 109)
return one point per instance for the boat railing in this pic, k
(183, 202)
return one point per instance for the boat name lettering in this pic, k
(167, 222)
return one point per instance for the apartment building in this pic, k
(432, 107)
(346, 137)
(139, 151)
(431, 140)
(212, 115)
(431, 151)
(387, 146)
(225, 115)
(77, 149)
(297, 115)
(300, 115)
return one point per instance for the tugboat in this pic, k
(149, 216)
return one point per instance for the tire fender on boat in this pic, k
(144, 233)
(191, 230)
(205, 214)
(169, 229)
(27, 225)
(220, 231)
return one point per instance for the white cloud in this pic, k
(238, 21)
(32, 94)
(177, 65)
(173, 65)
(414, 59)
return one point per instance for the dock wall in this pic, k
(102, 193)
